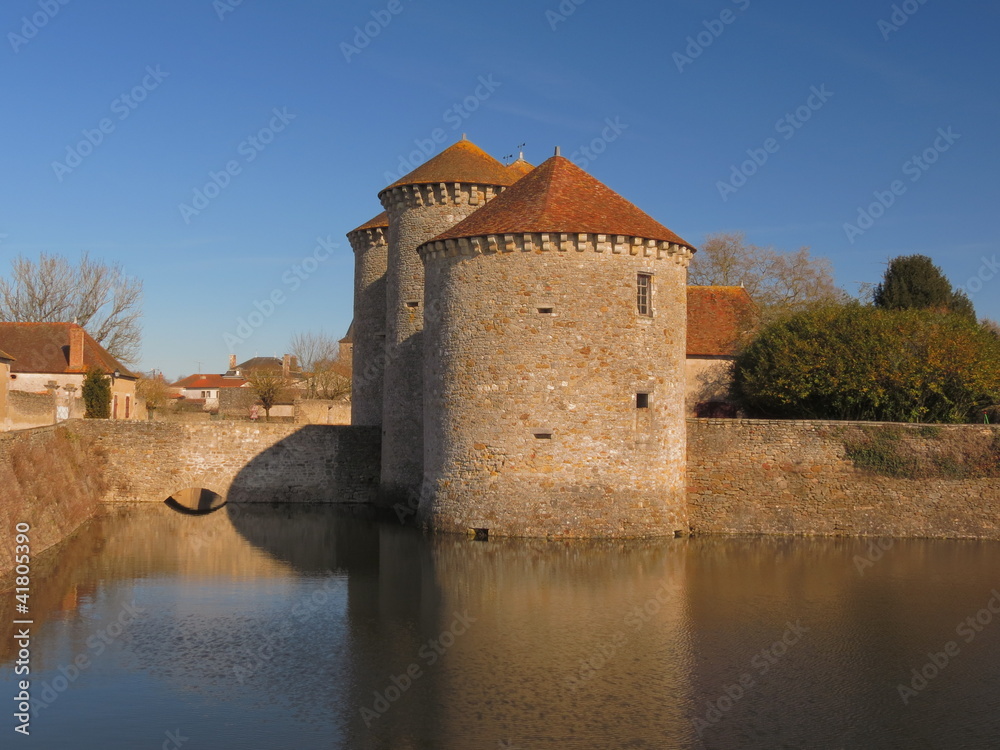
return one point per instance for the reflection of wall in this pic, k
(542, 610)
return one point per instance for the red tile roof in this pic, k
(208, 381)
(379, 222)
(44, 348)
(558, 196)
(718, 316)
(461, 162)
(520, 167)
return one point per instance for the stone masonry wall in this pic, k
(749, 476)
(243, 461)
(417, 213)
(541, 335)
(368, 362)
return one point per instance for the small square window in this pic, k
(643, 289)
(642, 401)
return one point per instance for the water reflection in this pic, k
(297, 626)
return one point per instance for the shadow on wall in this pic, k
(315, 464)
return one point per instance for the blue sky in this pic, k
(781, 119)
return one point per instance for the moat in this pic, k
(270, 627)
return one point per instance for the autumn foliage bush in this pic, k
(865, 363)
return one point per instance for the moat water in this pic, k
(296, 627)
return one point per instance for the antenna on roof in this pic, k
(520, 150)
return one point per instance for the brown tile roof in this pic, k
(718, 316)
(520, 167)
(208, 381)
(44, 348)
(558, 196)
(461, 162)
(379, 222)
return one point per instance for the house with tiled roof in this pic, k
(719, 320)
(45, 372)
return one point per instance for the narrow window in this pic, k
(642, 289)
(642, 401)
(543, 435)
(413, 303)
(546, 310)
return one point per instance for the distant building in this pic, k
(46, 365)
(719, 318)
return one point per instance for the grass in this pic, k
(926, 452)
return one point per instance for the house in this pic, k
(204, 389)
(719, 317)
(46, 366)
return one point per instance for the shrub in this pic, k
(96, 393)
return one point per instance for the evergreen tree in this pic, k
(914, 282)
(96, 394)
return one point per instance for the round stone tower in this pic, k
(554, 365)
(424, 203)
(370, 245)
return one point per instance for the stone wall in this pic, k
(553, 406)
(368, 358)
(242, 461)
(749, 476)
(51, 478)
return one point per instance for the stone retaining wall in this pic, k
(242, 461)
(749, 476)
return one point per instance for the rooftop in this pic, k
(718, 316)
(44, 348)
(379, 222)
(208, 381)
(461, 162)
(557, 196)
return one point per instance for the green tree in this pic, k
(860, 362)
(96, 394)
(914, 282)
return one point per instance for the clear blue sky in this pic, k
(864, 99)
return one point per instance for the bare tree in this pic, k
(318, 356)
(153, 389)
(778, 282)
(267, 385)
(98, 296)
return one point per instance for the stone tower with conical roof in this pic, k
(430, 199)
(370, 245)
(554, 365)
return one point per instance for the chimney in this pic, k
(75, 347)
(232, 361)
(286, 366)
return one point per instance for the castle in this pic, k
(519, 336)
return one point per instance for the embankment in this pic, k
(749, 476)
